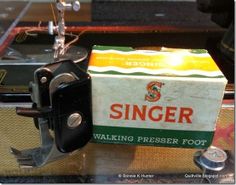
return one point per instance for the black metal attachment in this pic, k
(61, 95)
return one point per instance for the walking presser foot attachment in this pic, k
(61, 94)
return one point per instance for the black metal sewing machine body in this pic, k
(139, 39)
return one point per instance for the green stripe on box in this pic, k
(198, 51)
(153, 137)
(148, 74)
(118, 48)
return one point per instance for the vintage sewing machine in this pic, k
(46, 89)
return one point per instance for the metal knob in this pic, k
(76, 6)
(211, 159)
(62, 6)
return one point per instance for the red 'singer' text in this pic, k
(153, 113)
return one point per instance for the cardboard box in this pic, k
(170, 97)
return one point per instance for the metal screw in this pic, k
(74, 120)
(43, 80)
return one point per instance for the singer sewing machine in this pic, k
(45, 89)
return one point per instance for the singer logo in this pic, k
(154, 91)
